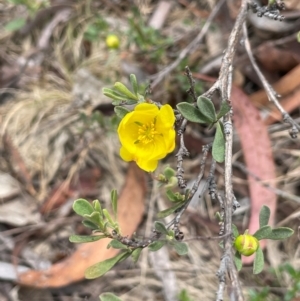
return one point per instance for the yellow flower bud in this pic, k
(246, 244)
(112, 41)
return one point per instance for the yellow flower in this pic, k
(147, 135)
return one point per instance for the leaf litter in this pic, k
(47, 116)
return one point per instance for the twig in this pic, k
(223, 86)
(269, 90)
(176, 220)
(279, 192)
(160, 75)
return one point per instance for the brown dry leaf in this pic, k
(284, 86)
(258, 157)
(85, 186)
(289, 103)
(273, 58)
(130, 212)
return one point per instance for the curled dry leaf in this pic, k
(287, 84)
(130, 212)
(258, 157)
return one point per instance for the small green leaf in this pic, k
(207, 108)
(95, 217)
(114, 201)
(169, 172)
(135, 255)
(90, 225)
(156, 245)
(15, 24)
(258, 264)
(160, 227)
(263, 232)
(168, 211)
(264, 216)
(191, 113)
(83, 207)
(175, 197)
(181, 248)
(280, 233)
(113, 95)
(100, 268)
(298, 37)
(235, 231)
(108, 216)
(225, 108)
(121, 112)
(123, 89)
(218, 148)
(97, 206)
(109, 297)
(85, 238)
(134, 84)
(116, 245)
(238, 261)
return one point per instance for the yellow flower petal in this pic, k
(146, 165)
(125, 155)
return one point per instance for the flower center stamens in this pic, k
(146, 133)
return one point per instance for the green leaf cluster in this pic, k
(204, 112)
(168, 178)
(96, 218)
(264, 232)
(121, 95)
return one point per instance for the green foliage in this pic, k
(224, 109)
(156, 245)
(264, 216)
(294, 274)
(85, 238)
(280, 233)
(169, 211)
(263, 232)
(82, 207)
(116, 245)
(109, 297)
(235, 231)
(121, 111)
(160, 227)
(184, 296)
(207, 108)
(218, 148)
(206, 113)
(238, 260)
(96, 29)
(147, 39)
(31, 5)
(120, 94)
(259, 296)
(181, 248)
(259, 261)
(114, 201)
(135, 255)
(191, 113)
(15, 24)
(100, 268)
(175, 197)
